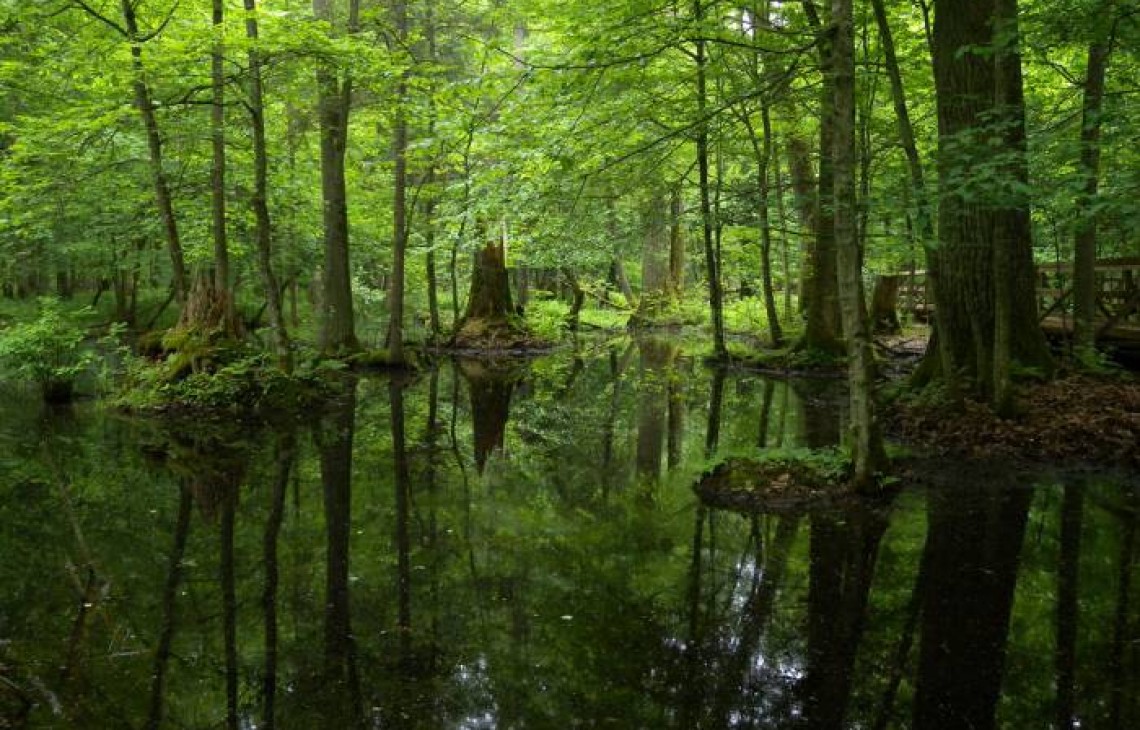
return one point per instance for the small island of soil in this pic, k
(772, 486)
(1081, 419)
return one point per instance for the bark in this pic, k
(867, 447)
(821, 296)
(1084, 247)
(263, 232)
(334, 97)
(782, 220)
(967, 289)
(399, 201)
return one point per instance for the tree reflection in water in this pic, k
(400, 587)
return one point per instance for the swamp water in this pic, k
(520, 547)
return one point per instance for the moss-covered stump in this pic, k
(784, 485)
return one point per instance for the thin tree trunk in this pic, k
(162, 195)
(774, 329)
(782, 219)
(262, 234)
(867, 446)
(399, 201)
(712, 262)
(676, 242)
(218, 166)
(1084, 247)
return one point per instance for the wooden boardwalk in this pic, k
(1118, 298)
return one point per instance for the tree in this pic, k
(334, 102)
(867, 447)
(399, 199)
(1084, 245)
(985, 298)
(130, 31)
(262, 235)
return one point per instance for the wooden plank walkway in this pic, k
(1118, 298)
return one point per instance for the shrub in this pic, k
(48, 351)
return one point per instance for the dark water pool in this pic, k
(520, 547)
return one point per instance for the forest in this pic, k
(519, 363)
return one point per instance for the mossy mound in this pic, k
(495, 335)
(246, 385)
(791, 361)
(781, 485)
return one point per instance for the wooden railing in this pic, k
(1117, 300)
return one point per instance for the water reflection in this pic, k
(475, 548)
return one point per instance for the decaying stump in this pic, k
(884, 305)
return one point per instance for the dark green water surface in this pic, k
(520, 547)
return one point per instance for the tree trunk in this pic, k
(967, 87)
(867, 445)
(712, 261)
(1084, 247)
(657, 296)
(334, 97)
(676, 242)
(823, 329)
(218, 148)
(578, 299)
(399, 201)
(782, 220)
(263, 232)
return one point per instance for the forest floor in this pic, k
(1075, 418)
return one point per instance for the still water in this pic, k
(519, 546)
